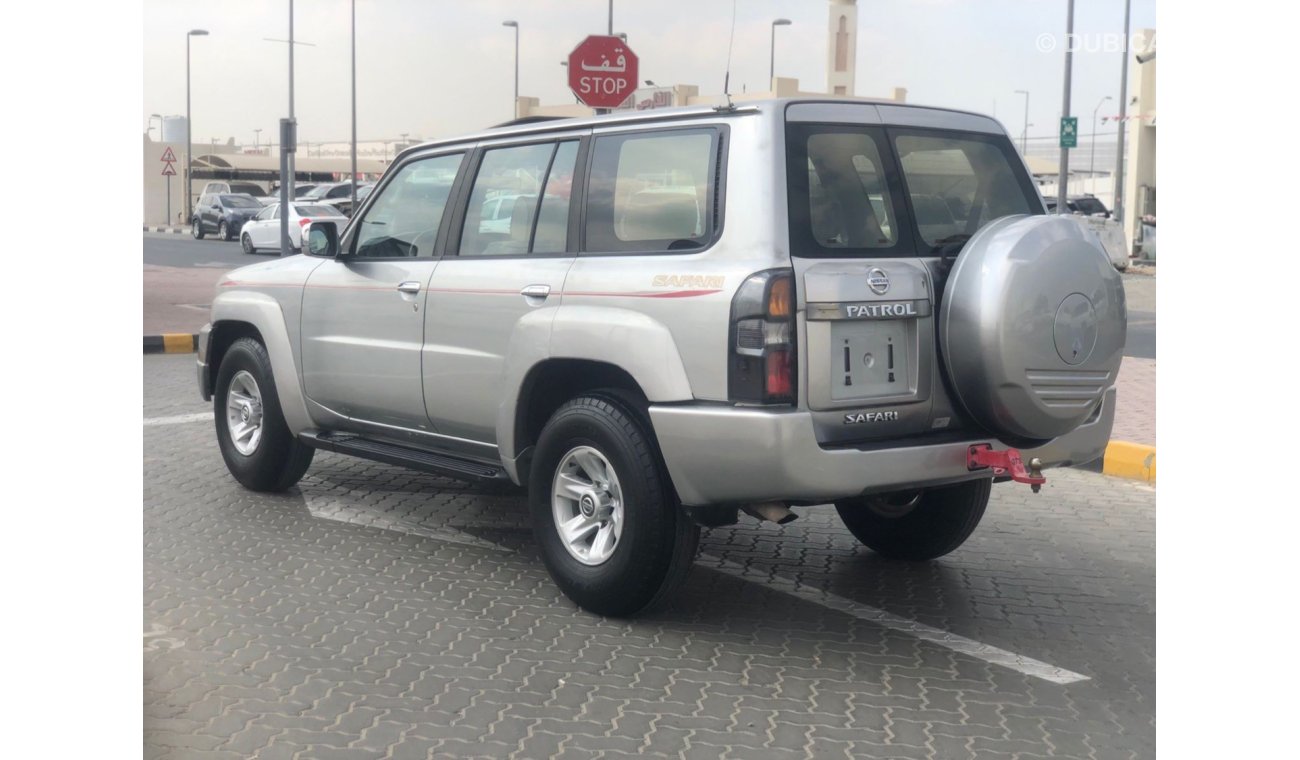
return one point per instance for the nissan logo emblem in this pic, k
(878, 281)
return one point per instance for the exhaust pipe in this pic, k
(771, 511)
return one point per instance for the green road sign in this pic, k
(1069, 132)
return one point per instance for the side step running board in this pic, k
(405, 456)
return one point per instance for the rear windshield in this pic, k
(315, 210)
(253, 190)
(872, 191)
(239, 201)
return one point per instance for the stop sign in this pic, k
(602, 71)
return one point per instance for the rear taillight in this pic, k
(762, 365)
(303, 223)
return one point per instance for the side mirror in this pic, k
(323, 239)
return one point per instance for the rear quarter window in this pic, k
(652, 192)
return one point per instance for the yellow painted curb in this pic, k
(178, 343)
(1135, 461)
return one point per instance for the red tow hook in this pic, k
(1006, 464)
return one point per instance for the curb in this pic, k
(169, 230)
(1123, 459)
(171, 343)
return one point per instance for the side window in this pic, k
(502, 205)
(263, 215)
(552, 233)
(275, 212)
(652, 192)
(403, 221)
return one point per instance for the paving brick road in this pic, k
(373, 612)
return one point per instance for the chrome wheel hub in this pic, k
(587, 505)
(244, 413)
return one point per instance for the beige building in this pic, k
(1140, 148)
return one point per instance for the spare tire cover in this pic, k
(1032, 327)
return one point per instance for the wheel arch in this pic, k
(575, 349)
(256, 315)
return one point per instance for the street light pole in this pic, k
(514, 108)
(1024, 136)
(771, 58)
(257, 140)
(1093, 153)
(1118, 202)
(189, 147)
(354, 107)
(1063, 173)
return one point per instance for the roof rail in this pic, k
(528, 120)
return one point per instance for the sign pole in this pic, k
(169, 200)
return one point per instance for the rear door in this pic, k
(873, 207)
(363, 313)
(507, 257)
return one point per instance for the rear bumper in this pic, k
(721, 455)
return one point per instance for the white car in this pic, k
(262, 232)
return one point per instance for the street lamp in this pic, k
(771, 68)
(1024, 139)
(514, 108)
(189, 148)
(1093, 156)
(257, 139)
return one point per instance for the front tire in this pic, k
(603, 510)
(223, 231)
(255, 441)
(917, 525)
(196, 229)
(247, 243)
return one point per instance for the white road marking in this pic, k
(178, 419)
(326, 502)
(985, 652)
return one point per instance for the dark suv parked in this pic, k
(223, 213)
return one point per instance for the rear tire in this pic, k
(247, 243)
(652, 550)
(271, 459)
(936, 523)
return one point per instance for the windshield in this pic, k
(239, 201)
(315, 193)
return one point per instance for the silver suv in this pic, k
(681, 315)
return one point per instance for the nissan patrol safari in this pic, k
(685, 314)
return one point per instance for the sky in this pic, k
(437, 68)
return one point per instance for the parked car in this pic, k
(263, 231)
(223, 213)
(1086, 205)
(246, 188)
(344, 204)
(643, 364)
(301, 190)
(328, 192)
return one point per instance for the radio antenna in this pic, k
(726, 80)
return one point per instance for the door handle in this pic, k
(410, 286)
(536, 291)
